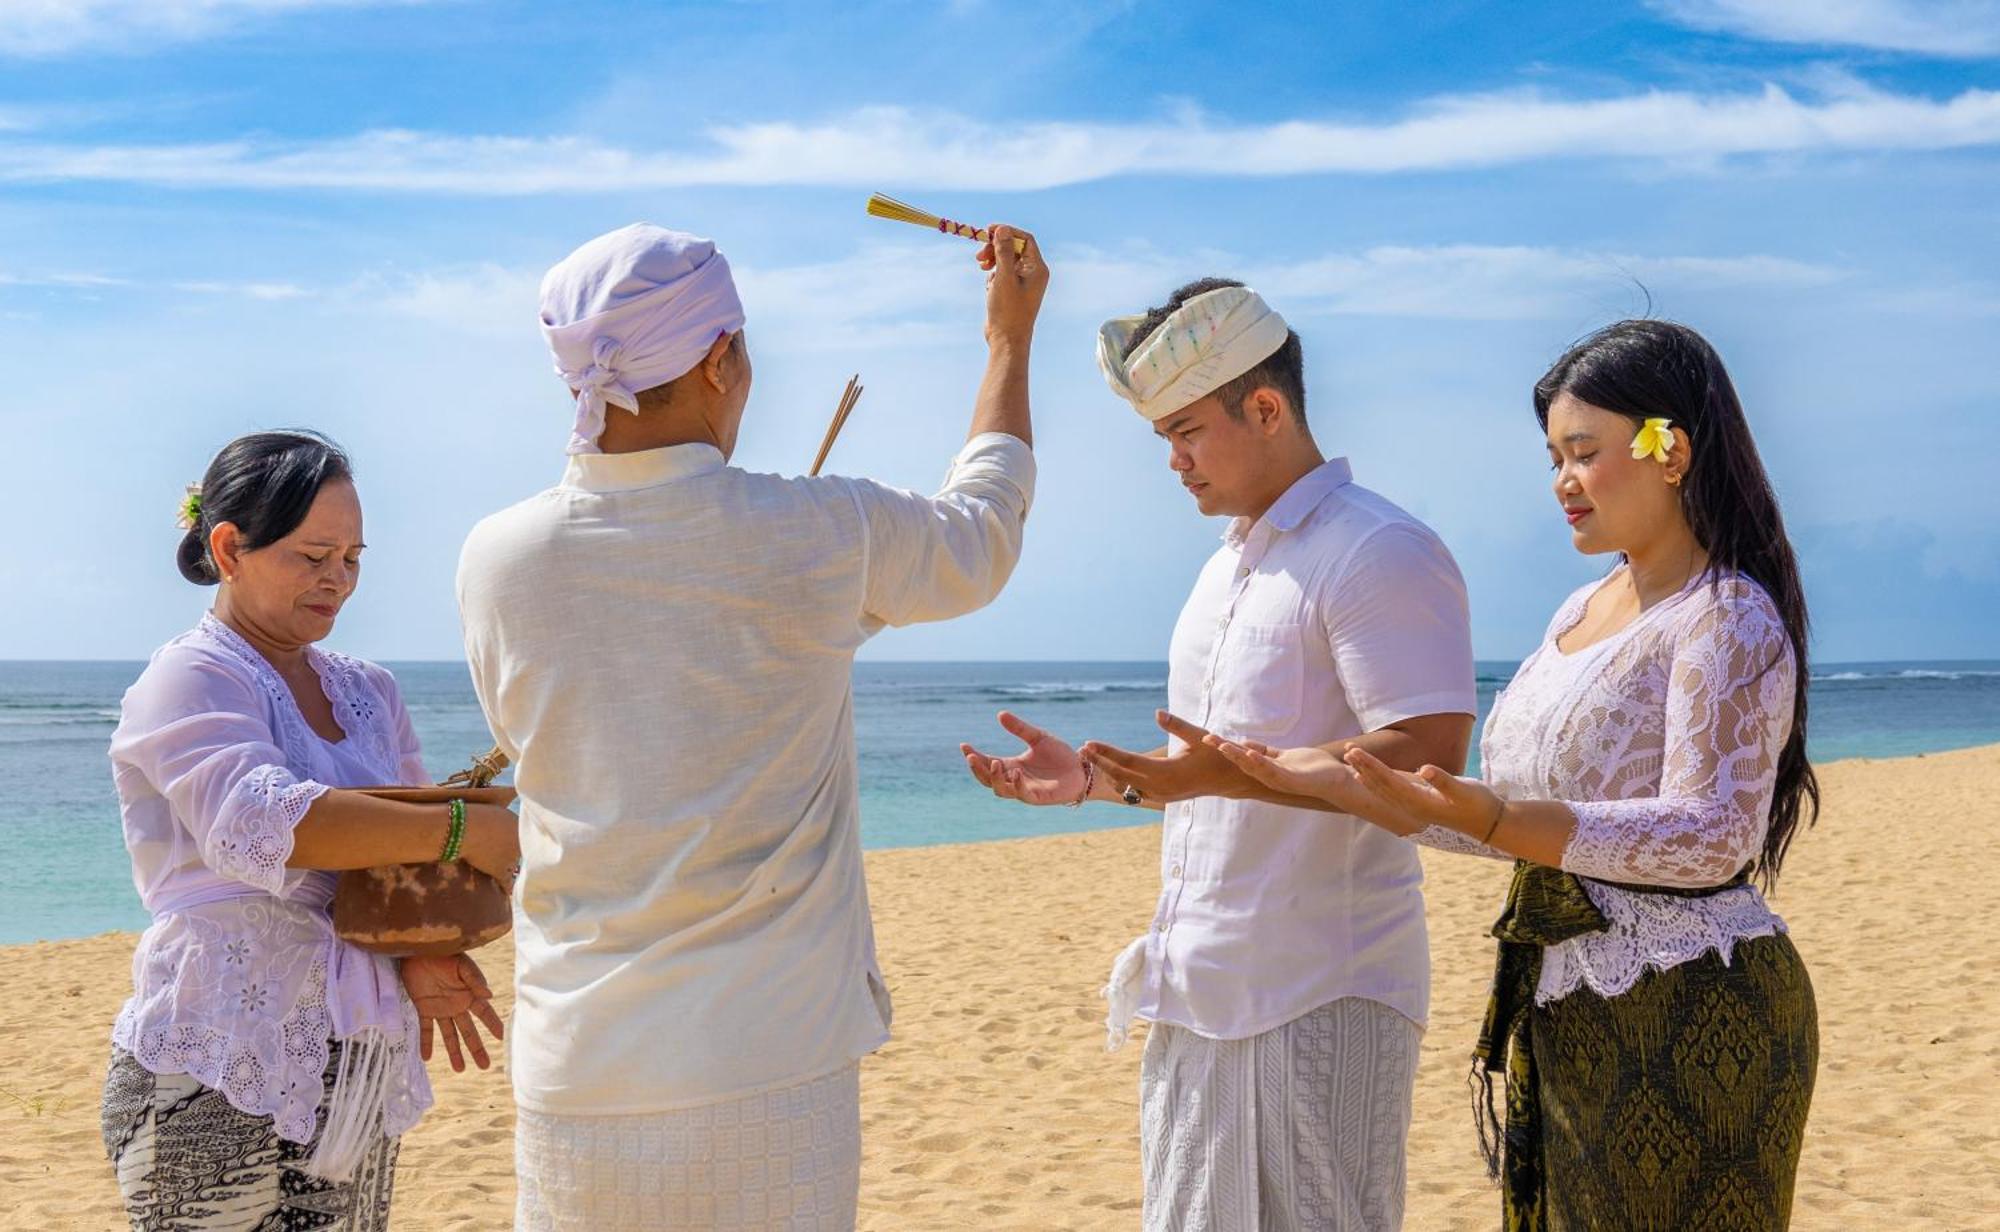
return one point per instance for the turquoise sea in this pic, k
(63, 871)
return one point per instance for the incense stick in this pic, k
(849, 397)
(896, 211)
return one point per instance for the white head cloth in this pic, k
(1208, 342)
(630, 310)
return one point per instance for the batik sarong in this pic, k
(1678, 1105)
(188, 1161)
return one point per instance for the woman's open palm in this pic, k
(1373, 793)
(1306, 771)
(450, 994)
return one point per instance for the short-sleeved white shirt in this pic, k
(1334, 614)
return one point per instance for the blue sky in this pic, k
(222, 215)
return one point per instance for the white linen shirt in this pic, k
(664, 645)
(1335, 614)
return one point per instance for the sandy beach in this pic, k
(997, 1107)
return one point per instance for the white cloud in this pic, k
(61, 27)
(883, 296)
(876, 298)
(1492, 283)
(893, 145)
(250, 290)
(481, 299)
(896, 295)
(1942, 297)
(1937, 27)
(88, 283)
(85, 282)
(899, 296)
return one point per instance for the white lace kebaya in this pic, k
(1663, 739)
(240, 981)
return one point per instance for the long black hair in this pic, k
(265, 483)
(1660, 369)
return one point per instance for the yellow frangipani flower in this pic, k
(1654, 440)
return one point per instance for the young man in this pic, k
(663, 643)
(1286, 972)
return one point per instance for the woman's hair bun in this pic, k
(192, 557)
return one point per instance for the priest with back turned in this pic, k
(663, 644)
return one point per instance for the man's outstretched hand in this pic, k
(1194, 769)
(1047, 772)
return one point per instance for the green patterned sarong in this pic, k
(1679, 1104)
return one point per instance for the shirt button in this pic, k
(1243, 573)
(1177, 870)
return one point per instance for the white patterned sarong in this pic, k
(1300, 1129)
(786, 1159)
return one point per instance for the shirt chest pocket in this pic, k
(1259, 680)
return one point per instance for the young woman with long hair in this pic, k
(1645, 769)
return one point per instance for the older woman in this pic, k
(1655, 1024)
(263, 1069)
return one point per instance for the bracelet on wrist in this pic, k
(454, 837)
(1089, 782)
(1499, 816)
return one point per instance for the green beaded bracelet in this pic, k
(456, 835)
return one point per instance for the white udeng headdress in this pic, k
(1208, 342)
(630, 310)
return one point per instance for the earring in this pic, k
(1674, 479)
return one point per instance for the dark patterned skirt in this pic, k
(187, 1161)
(1680, 1104)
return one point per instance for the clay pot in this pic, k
(406, 910)
(419, 909)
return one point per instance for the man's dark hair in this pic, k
(655, 399)
(1283, 370)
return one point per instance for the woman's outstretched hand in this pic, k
(449, 992)
(1358, 783)
(1430, 797)
(1307, 771)
(1047, 772)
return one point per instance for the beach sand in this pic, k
(997, 1107)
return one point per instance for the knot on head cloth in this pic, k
(1206, 343)
(630, 310)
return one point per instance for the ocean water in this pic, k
(63, 871)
